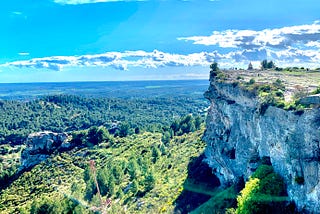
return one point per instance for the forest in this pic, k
(127, 141)
(65, 113)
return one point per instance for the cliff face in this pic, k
(239, 135)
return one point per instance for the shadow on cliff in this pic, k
(199, 186)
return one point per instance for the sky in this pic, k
(107, 40)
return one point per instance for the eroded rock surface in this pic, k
(238, 135)
(42, 144)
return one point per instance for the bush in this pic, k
(299, 180)
(97, 135)
(317, 91)
(222, 76)
(262, 192)
(262, 171)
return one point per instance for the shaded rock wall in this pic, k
(239, 134)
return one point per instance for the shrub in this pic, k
(97, 135)
(317, 91)
(251, 82)
(279, 93)
(299, 180)
(222, 76)
(166, 138)
(262, 171)
(259, 191)
(264, 88)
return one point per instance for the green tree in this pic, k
(214, 66)
(117, 172)
(156, 154)
(270, 64)
(187, 124)
(166, 138)
(103, 180)
(137, 130)
(112, 186)
(264, 64)
(78, 138)
(197, 122)
(149, 182)
(133, 169)
(175, 126)
(259, 191)
(124, 129)
(134, 188)
(97, 135)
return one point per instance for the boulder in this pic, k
(42, 144)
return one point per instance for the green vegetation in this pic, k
(214, 66)
(267, 64)
(137, 173)
(66, 113)
(269, 94)
(215, 73)
(264, 193)
(272, 94)
(140, 146)
(316, 91)
(219, 203)
(299, 180)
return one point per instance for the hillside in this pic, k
(56, 152)
(62, 175)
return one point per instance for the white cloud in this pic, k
(314, 44)
(17, 13)
(118, 60)
(287, 46)
(74, 2)
(156, 59)
(273, 38)
(24, 54)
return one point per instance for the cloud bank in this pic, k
(118, 60)
(294, 44)
(287, 46)
(273, 38)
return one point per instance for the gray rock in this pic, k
(310, 100)
(291, 141)
(40, 145)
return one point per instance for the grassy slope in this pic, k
(55, 176)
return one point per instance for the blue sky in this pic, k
(79, 40)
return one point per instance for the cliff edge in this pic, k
(243, 129)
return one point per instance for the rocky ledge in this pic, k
(239, 135)
(41, 145)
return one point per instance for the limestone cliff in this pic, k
(239, 134)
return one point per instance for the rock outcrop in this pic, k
(311, 100)
(239, 135)
(41, 145)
